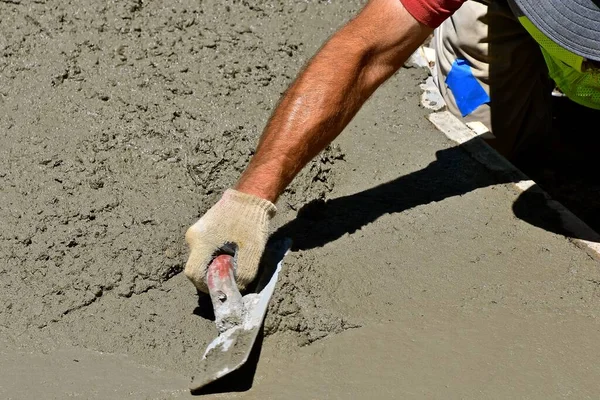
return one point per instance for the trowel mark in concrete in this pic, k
(299, 308)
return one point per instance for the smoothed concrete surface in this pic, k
(84, 374)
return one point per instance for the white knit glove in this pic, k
(237, 219)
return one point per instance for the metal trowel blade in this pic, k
(239, 322)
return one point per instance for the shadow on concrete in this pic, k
(568, 170)
(204, 308)
(454, 173)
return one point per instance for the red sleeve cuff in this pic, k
(431, 12)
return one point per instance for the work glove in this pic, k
(238, 221)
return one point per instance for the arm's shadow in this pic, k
(453, 173)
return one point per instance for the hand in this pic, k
(238, 221)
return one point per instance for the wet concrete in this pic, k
(411, 275)
(81, 373)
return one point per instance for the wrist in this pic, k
(257, 191)
(244, 202)
(260, 185)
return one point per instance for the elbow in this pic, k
(375, 68)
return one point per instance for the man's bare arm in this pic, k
(329, 92)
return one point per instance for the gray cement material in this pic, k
(411, 276)
(81, 373)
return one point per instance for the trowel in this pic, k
(238, 318)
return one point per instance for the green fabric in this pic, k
(568, 70)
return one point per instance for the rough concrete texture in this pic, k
(411, 277)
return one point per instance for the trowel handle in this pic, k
(224, 294)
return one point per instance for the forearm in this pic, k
(320, 103)
(312, 112)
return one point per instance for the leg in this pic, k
(510, 68)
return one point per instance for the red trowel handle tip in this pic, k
(220, 277)
(224, 294)
(220, 270)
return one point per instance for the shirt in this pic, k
(431, 12)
